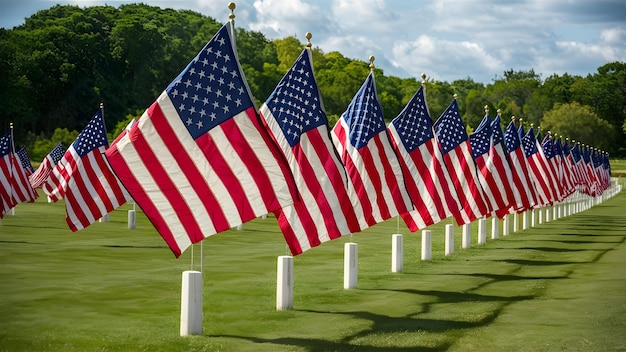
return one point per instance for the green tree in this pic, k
(580, 123)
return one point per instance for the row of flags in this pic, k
(203, 159)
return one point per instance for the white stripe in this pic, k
(169, 162)
(141, 172)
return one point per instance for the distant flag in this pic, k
(547, 146)
(522, 181)
(25, 160)
(494, 173)
(199, 161)
(565, 172)
(360, 135)
(49, 162)
(579, 164)
(538, 168)
(84, 179)
(15, 187)
(427, 179)
(570, 165)
(457, 153)
(592, 180)
(295, 115)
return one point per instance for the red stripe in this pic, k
(391, 179)
(372, 176)
(359, 189)
(169, 189)
(139, 194)
(288, 233)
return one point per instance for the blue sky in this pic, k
(446, 39)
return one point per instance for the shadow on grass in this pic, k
(315, 345)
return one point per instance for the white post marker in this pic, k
(467, 235)
(239, 227)
(532, 217)
(350, 265)
(495, 228)
(449, 239)
(105, 218)
(49, 199)
(427, 245)
(482, 231)
(515, 222)
(12, 211)
(132, 219)
(191, 303)
(548, 213)
(284, 283)
(505, 225)
(397, 250)
(525, 220)
(540, 211)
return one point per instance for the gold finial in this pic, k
(513, 118)
(101, 105)
(308, 36)
(498, 111)
(423, 78)
(11, 125)
(486, 109)
(455, 96)
(231, 7)
(532, 125)
(372, 58)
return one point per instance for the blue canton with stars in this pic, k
(57, 153)
(92, 136)
(5, 144)
(364, 115)
(497, 136)
(449, 128)
(414, 124)
(511, 138)
(548, 147)
(212, 88)
(529, 143)
(480, 139)
(296, 102)
(24, 159)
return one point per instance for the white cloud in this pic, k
(445, 60)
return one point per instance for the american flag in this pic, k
(15, 186)
(581, 169)
(25, 160)
(547, 146)
(457, 153)
(565, 171)
(523, 184)
(49, 162)
(377, 186)
(494, 173)
(296, 118)
(570, 165)
(427, 180)
(84, 179)
(199, 161)
(538, 168)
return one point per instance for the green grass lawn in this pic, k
(560, 286)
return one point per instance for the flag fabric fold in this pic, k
(84, 179)
(15, 188)
(539, 169)
(25, 160)
(295, 116)
(457, 153)
(199, 161)
(376, 185)
(520, 172)
(47, 164)
(427, 180)
(494, 173)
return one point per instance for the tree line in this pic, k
(58, 66)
